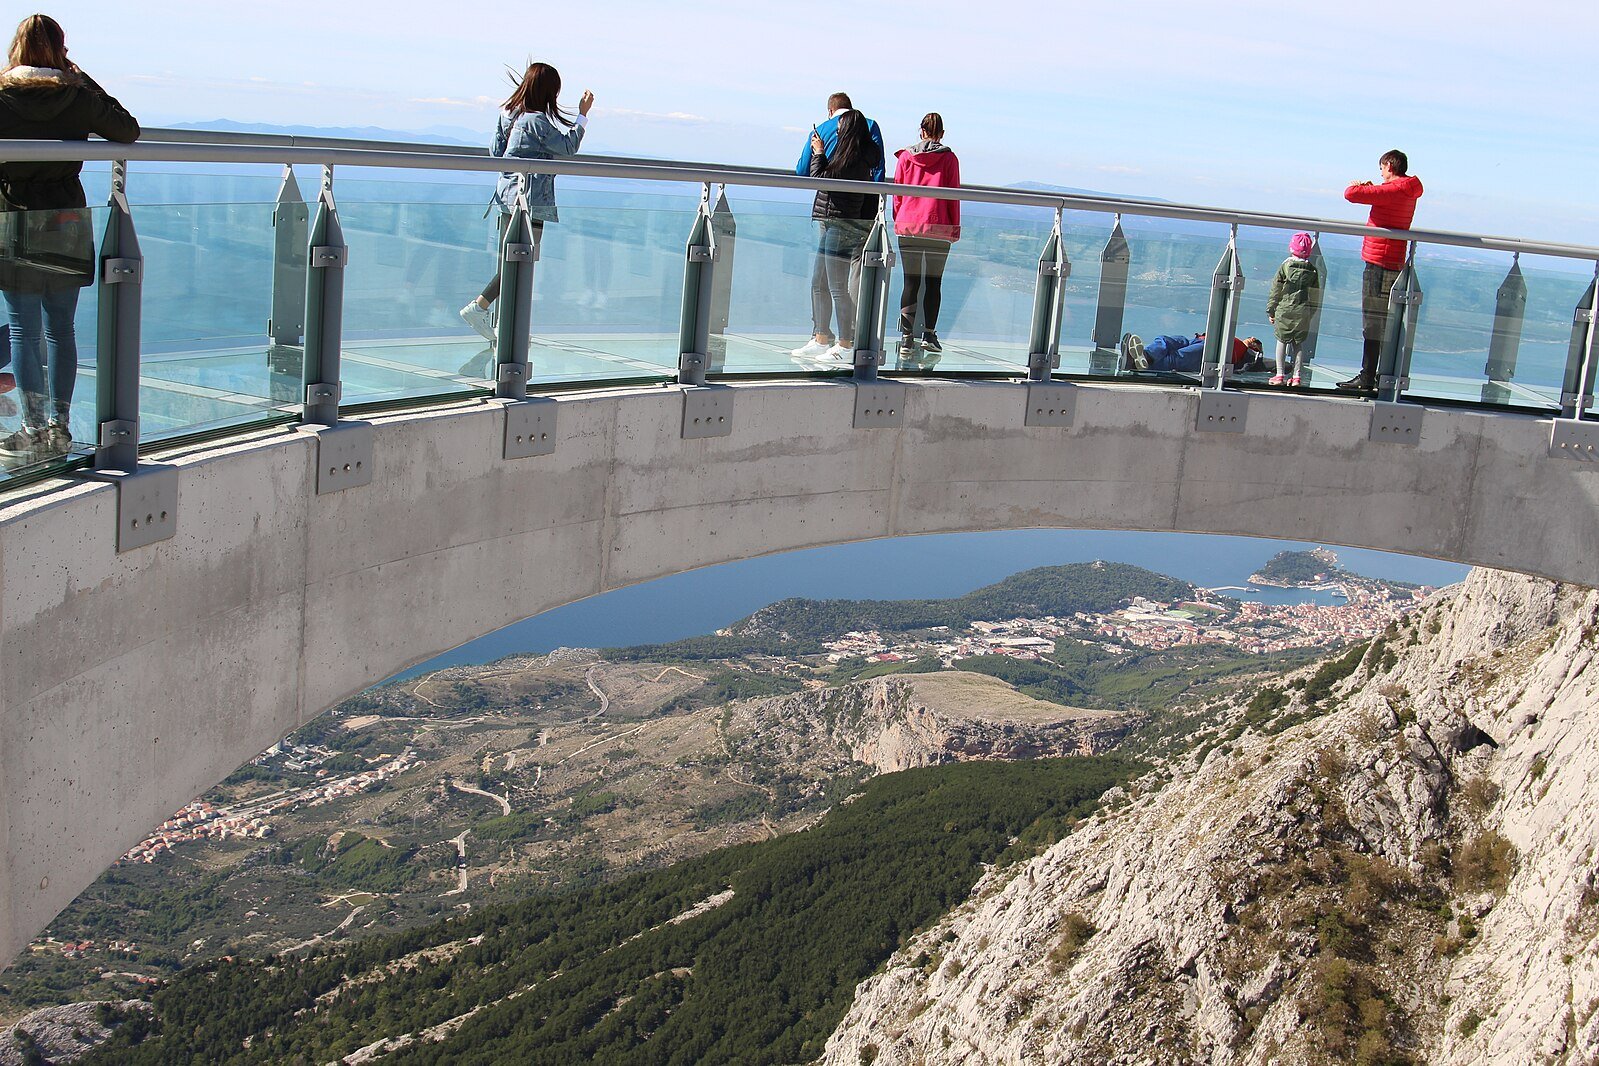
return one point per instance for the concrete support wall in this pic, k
(131, 683)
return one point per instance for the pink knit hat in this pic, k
(1300, 244)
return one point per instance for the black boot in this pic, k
(1366, 380)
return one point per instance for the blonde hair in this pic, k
(39, 42)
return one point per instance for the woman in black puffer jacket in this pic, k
(846, 219)
(46, 245)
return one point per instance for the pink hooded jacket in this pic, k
(927, 163)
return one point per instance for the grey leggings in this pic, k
(1294, 350)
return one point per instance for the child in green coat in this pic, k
(1292, 305)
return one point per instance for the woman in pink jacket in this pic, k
(926, 229)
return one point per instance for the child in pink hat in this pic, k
(1292, 305)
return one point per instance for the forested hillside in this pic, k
(776, 937)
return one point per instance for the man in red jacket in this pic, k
(1393, 206)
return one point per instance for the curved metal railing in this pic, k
(311, 255)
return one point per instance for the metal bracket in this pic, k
(701, 253)
(1584, 314)
(118, 431)
(522, 253)
(147, 502)
(1039, 364)
(1573, 439)
(1569, 400)
(1235, 283)
(867, 357)
(529, 427)
(1050, 404)
(330, 255)
(707, 411)
(1395, 423)
(343, 455)
(879, 405)
(1051, 269)
(878, 259)
(1222, 412)
(510, 372)
(323, 392)
(124, 271)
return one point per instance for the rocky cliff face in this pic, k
(904, 721)
(1390, 858)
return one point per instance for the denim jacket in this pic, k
(532, 136)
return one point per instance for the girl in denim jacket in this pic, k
(531, 126)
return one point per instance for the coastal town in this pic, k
(1212, 617)
(207, 821)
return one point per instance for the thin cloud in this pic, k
(475, 103)
(653, 116)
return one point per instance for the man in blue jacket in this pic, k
(822, 347)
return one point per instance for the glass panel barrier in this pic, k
(1457, 323)
(1169, 273)
(1084, 235)
(986, 287)
(770, 308)
(207, 296)
(606, 289)
(780, 296)
(1333, 343)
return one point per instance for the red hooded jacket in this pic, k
(927, 163)
(1393, 205)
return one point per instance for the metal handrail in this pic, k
(407, 156)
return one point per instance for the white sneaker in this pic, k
(814, 349)
(477, 316)
(839, 354)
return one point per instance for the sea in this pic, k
(926, 567)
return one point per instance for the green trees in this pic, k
(603, 975)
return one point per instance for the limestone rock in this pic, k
(1411, 866)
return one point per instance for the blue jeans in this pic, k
(41, 327)
(1174, 353)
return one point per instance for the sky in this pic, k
(1233, 103)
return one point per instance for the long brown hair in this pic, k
(39, 42)
(536, 92)
(933, 126)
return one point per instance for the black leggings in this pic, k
(491, 291)
(923, 259)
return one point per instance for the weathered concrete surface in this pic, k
(129, 684)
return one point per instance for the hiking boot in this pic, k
(24, 446)
(57, 438)
(477, 316)
(930, 342)
(907, 346)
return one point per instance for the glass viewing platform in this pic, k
(227, 300)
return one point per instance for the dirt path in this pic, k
(675, 670)
(605, 701)
(348, 918)
(604, 740)
(505, 804)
